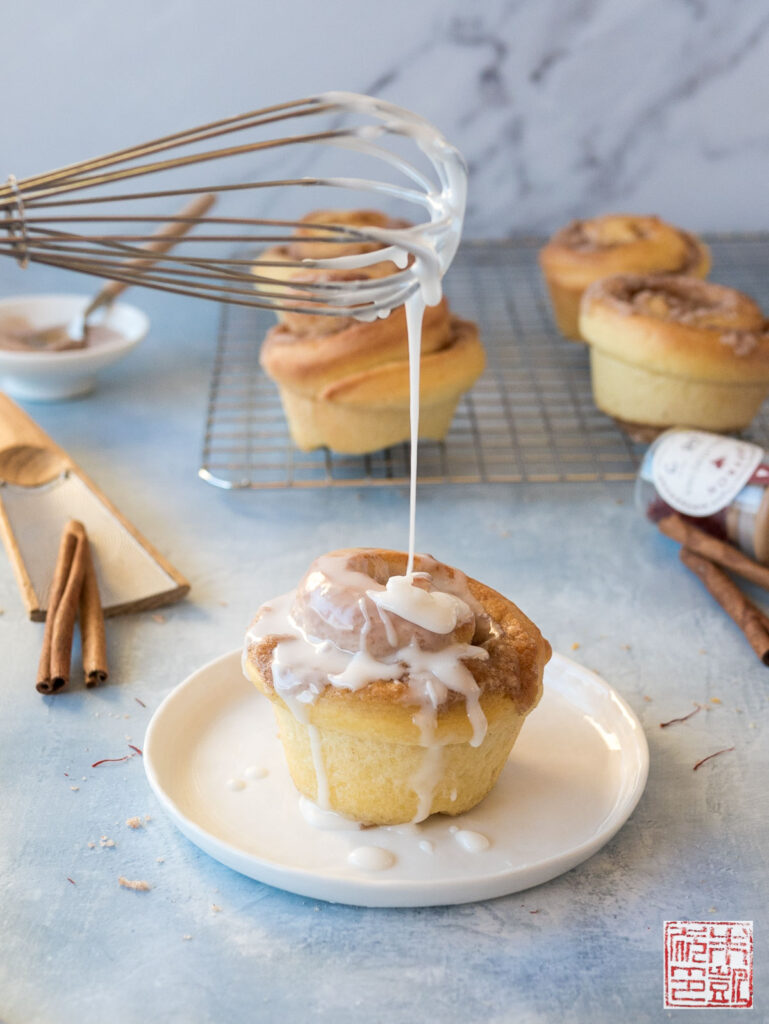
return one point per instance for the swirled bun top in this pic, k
(354, 606)
(586, 250)
(305, 246)
(678, 325)
(275, 264)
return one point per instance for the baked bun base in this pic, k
(565, 302)
(355, 430)
(648, 398)
(370, 775)
(365, 411)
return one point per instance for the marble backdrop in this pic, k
(561, 107)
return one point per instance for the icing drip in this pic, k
(473, 842)
(327, 821)
(371, 858)
(320, 770)
(346, 627)
(437, 611)
(415, 307)
(427, 778)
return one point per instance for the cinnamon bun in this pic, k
(675, 351)
(397, 696)
(344, 383)
(588, 250)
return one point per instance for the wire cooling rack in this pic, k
(530, 417)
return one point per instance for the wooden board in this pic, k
(31, 466)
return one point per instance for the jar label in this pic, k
(698, 474)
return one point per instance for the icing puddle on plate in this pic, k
(579, 767)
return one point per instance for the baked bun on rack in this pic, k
(396, 696)
(675, 351)
(588, 250)
(344, 383)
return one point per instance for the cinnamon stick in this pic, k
(692, 537)
(751, 620)
(53, 669)
(92, 625)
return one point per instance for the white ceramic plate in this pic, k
(573, 779)
(52, 376)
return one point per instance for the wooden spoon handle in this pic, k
(167, 235)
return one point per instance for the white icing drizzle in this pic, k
(370, 642)
(371, 858)
(323, 819)
(473, 842)
(436, 611)
(409, 829)
(415, 307)
(369, 622)
(321, 778)
(427, 778)
(254, 772)
(235, 785)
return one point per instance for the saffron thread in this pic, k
(726, 750)
(684, 718)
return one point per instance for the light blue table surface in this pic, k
(578, 559)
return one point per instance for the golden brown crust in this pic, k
(587, 250)
(344, 383)
(309, 362)
(517, 650)
(275, 264)
(305, 248)
(678, 326)
(444, 373)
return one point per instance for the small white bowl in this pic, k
(52, 376)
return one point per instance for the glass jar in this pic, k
(721, 484)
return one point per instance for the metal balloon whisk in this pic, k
(93, 217)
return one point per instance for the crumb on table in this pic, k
(134, 822)
(138, 885)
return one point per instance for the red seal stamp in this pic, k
(708, 963)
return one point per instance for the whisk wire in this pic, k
(82, 235)
(237, 123)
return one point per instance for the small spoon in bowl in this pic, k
(61, 337)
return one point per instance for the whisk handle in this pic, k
(166, 238)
